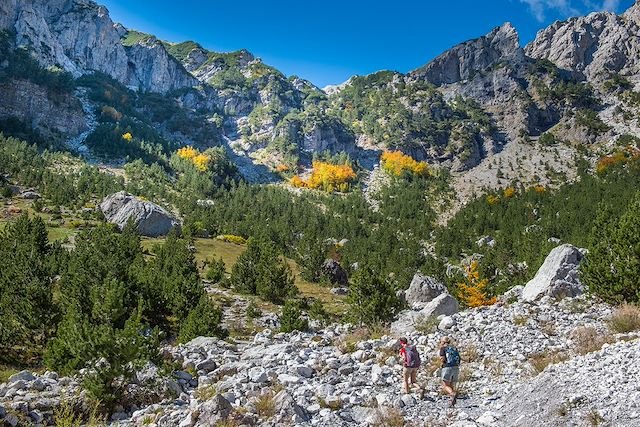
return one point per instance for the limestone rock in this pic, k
(409, 319)
(150, 219)
(558, 275)
(592, 46)
(422, 290)
(213, 411)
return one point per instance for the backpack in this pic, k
(452, 355)
(412, 358)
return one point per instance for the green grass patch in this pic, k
(229, 252)
(132, 37)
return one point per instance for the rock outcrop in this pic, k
(332, 270)
(592, 46)
(80, 37)
(150, 219)
(50, 113)
(410, 320)
(558, 275)
(467, 59)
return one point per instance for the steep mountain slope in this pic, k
(482, 102)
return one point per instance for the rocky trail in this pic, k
(339, 376)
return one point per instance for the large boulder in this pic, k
(443, 304)
(332, 270)
(150, 219)
(213, 411)
(558, 276)
(422, 290)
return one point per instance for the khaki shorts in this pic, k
(409, 371)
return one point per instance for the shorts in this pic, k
(409, 371)
(450, 374)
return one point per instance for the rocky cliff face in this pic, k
(52, 114)
(592, 46)
(79, 36)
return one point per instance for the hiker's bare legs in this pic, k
(448, 387)
(407, 379)
(414, 381)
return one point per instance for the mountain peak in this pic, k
(461, 62)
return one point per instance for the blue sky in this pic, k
(328, 41)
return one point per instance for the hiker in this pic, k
(411, 363)
(450, 358)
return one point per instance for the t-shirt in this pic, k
(443, 354)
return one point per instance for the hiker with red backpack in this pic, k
(411, 363)
(450, 358)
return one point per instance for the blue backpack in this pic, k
(452, 355)
(412, 357)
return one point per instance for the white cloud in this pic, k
(610, 5)
(539, 7)
(566, 8)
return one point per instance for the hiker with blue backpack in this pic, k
(411, 362)
(450, 358)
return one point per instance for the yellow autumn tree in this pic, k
(493, 200)
(472, 292)
(396, 163)
(509, 192)
(199, 160)
(127, 136)
(296, 181)
(328, 177)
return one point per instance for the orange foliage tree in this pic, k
(623, 156)
(472, 292)
(397, 163)
(328, 177)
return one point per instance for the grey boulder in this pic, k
(558, 276)
(444, 304)
(150, 219)
(422, 290)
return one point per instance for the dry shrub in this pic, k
(548, 328)
(470, 354)
(520, 320)
(493, 365)
(388, 417)
(266, 405)
(347, 343)
(465, 375)
(626, 318)
(588, 339)
(541, 360)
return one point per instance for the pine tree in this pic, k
(26, 299)
(203, 320)
(611, 269)
(372, 299)
(291, 318)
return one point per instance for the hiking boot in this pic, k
(453, 401)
